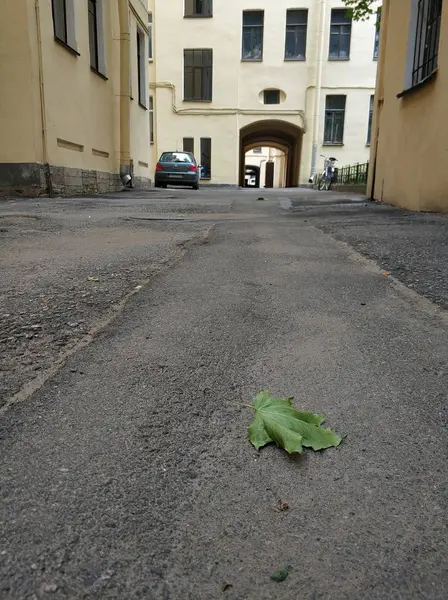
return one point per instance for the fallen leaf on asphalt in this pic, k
(226, 587)
(276, 420)
(386, 273)
(281, 575)
(93, 278)
(282, 506)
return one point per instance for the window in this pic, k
(206, 158)
(253, 21)
(151, 119)
(369, 126)
(198, 75)
(141, 70)
(188, 145)
(271, 97)
(334, 119)
(199, 8)
(258, 150)
(150, 33)
(64, 22)
(376, 45)
(340, 34)
(427, 14)
(296, 25)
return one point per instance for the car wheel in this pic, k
(196, 186)
(164, 186)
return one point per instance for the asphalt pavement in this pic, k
(125, 467)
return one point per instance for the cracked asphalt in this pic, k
(133, 329)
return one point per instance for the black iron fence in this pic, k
(352, 175)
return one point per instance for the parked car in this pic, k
(177, 168)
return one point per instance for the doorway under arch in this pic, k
(273, 133)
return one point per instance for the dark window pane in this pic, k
(206, 158)
(253, 17)
(340, 35)
(340, 15)
(272, 97)
(60, 19)
(93, 34)
(253, 43)
(334, 119)
(335, 102)
(188, 145)
(198, 75)
(296, 17)
(198, 8)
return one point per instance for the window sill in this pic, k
(375, 58)
(98, 73)
(333, 144)
(368, 144)
(152, 143)
(418, 85)
(252, 60)
(196, 100)
(295, 59)
(142, 105)
(66, 46)
(198, 16)
(338, 59)
(150, 60)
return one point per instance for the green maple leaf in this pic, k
(276, 420)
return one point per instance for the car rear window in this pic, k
(176, 157)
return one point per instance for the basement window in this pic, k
(271, 97)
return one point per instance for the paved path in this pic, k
(129, 474)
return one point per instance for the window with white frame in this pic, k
(151, 119)
(96, 36)
(63, 12)
(340, 34)
(423, 49)
(376, 45)
(369, 125)
(199, 8)
(141, 68)
(253, 25)
(150, 40)
(334, 120)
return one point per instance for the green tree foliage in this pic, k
(361, 9)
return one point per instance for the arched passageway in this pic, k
(273, 133)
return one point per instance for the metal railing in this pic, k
(352, 175)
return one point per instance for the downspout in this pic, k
(125, 89)
(43, 112)
(318, 90)
(379, 96)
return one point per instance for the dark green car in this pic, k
(177, 168)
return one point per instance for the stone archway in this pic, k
(273, 133)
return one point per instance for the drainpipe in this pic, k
(125, 89)
(43, 112)
(318, 88)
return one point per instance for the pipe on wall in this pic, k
(318, 84)
(43, 111)
(125, 88)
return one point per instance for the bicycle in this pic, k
(326, 178)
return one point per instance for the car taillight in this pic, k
(193, 168)
(159, 167)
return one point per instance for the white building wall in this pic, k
(237, 84)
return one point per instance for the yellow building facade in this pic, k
(410, 129)
(74, 96)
